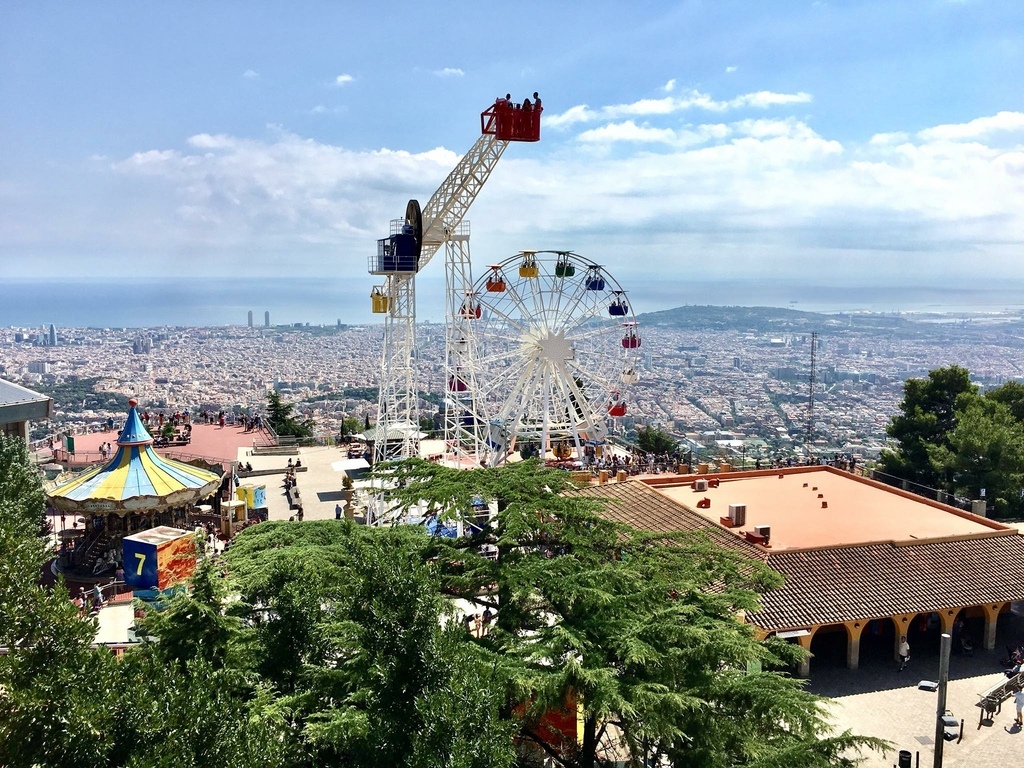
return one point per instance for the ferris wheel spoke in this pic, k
(573, 302)
(595, 311)
(578, 405)
(600, 376)
(516, 300)
(519, 396)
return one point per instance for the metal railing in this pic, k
(919, 489)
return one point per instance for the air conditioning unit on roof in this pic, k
(738, 514)
(700, 485)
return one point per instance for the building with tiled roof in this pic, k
(18, 406)
(857, 556)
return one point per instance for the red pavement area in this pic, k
(209, 441)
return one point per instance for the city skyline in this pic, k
(870, 143)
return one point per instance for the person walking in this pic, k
(904, 652)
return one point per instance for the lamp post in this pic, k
(940, 707)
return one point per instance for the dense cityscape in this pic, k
(729, 381)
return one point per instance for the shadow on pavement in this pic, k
(878, 671)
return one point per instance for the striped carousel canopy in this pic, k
(136, 479)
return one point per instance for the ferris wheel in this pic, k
(547, 351)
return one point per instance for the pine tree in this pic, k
(639, 629)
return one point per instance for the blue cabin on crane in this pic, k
(400, 251)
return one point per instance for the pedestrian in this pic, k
(337, 511)
(477, 624)
(904, 652)
(1018, 701)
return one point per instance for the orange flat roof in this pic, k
(859, 510)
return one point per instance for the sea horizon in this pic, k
(143, 302)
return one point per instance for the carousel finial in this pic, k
(134, 433)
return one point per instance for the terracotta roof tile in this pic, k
(637, 505)
(828, 586)
(844, 583)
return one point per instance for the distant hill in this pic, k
(766, 319)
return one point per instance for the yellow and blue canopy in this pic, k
(136, 479)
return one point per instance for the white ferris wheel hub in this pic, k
(547, 346)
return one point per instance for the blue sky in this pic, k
(867, 143)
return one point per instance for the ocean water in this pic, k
(199, 301)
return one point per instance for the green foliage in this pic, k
(352, 634)
(927, 416)
(428, 426)
(654, 440)
(984, 450)
(80, 394)
(640, 629)
(1010, 394)
(21, 493)
(350, 425)
(954, 439)
(282, 419)
(334, 644)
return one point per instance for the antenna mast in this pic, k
(809, 435)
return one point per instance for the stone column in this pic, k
(853, 632)
(902, 628)
(991, 615)
(947, 617)
(804, 641)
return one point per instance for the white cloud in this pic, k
(669, 86)
(342, 80)
(628, 131)
(765, 99)
(730, 70)
(288, 191)
(250, 74)
(671, 104)
(449, 72)
(897, 137)
(1009, 122)
(773, 189)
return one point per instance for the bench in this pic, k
(275, 450)
(242, 474)
(991, 701)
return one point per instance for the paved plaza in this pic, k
(876, 700)
(319, 486)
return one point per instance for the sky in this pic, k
(860, 143)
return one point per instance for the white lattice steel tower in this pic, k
(412, 243)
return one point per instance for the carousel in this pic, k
(136, 490)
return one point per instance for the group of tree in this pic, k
(330, 643)
(282, 419)
(654, 440)
(953, 438)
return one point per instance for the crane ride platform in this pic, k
(400, 251)
(411, 243)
